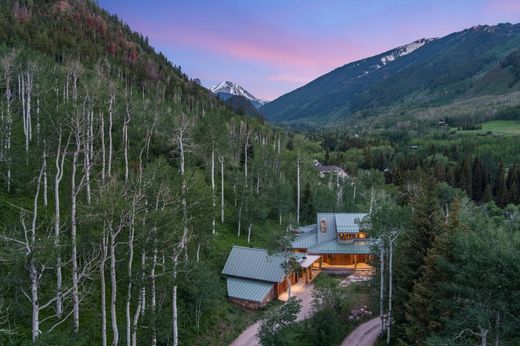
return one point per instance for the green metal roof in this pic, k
(252, 263)
(246, 289)
(307, 229)
(304, 241)
(358, 247)
(348, 223)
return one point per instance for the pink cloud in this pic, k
(265, 46)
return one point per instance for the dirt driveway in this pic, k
(364, 335)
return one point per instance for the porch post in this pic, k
(355, 262)
(306, 275)
(321, 261)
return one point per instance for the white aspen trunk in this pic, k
(239, 220)
(73, 230)
(86, 165)
(129, 290)
(143, 281)
(38, 120)
(382, 286)
(113, 282)
(110, 146)
(371, 200)
(103, 288)
(354, 194)
(103, 149)
(33, 272)
(7, 65)
(390, 279)
(153, 298)
(298, 190)
(246, 146)
(45, 192)
(34, 300)
(249, 233)
(125, 139)
(175, 332)
(278, 144)
(60, 160)
(221, 189)
(213, 188)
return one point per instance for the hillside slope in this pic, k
(435, 72)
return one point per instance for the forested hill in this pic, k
(65, 30)
(466, 65)
(120, 181)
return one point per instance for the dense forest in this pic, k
(124, 184)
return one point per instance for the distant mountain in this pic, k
(225, 90)
(241, 105)
(426, 72)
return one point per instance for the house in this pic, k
(328, 170)
(339, 239)
(254, 277)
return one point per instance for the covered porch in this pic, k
(344, 262)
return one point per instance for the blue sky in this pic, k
(272, 47)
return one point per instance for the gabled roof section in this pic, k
(356, 247)
(326, 229)
(306, 229)
(349, 223)
(246, 289)
(304, 241)
(252, 263)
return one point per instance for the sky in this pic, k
(271, 47)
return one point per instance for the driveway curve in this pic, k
(364, 335)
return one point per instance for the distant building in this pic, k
(330, 170)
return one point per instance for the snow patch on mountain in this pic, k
(404, 50)
(226, 89)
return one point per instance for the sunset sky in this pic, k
(271, 47)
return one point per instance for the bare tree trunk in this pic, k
(103, 288)
(221, 159)
(110, 124)
(60, 160)
(45, 193)
(73, 229)
(153, 298)
(113, 282)
(33, 272)
(249, 233)
(382, 286)
(7, 64)
(246, 147)
(298, 190)
(129, 290)
(175, 332)
(125, 138)
(213, 187)
(239, 220)
(103, 150)
(390, 279)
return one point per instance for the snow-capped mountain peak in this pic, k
(228, 88)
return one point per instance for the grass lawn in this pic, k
(511, 127)
(502, 127)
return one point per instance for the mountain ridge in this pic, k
(437, 71)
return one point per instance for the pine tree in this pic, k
(464, 177)
(500, 186)
(412, 251)
(423, 310)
